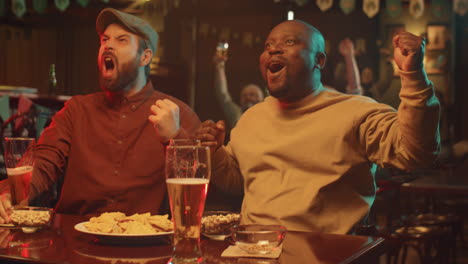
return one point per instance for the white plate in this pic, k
(121, 238)
(118, 259)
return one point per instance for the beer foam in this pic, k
(19, 170)
(192, 181)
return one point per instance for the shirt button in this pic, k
(124, 116)
(116, 172)
(119, 142)
(133, 107)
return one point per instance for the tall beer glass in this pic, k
(19, 162)
(188, 170)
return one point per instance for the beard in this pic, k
(125, 77)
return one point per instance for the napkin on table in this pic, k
(235, 251)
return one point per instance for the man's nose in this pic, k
(276, 49)
(108, 45)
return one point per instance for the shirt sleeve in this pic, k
(52, 150)
(189, 122)
(408, 139)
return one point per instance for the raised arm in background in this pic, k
(353, 86)
(231, 110)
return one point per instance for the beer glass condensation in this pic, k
(188, 171)
(19, 163)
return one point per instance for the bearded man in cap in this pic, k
(102, 148)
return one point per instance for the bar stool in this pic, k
(428, 231)
(448, 222)
(430, 243)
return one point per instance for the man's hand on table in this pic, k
(5, 204)
(211, 134)
(4, 237)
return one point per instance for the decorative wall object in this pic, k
(83, 3)
(460, 7)
(370, 7)
(18, 7)
(416, 8)
(393, 7)
(324, 5)
(62, 4)
(347, 6)
(40, 6)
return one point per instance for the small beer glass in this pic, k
(19, 162)
(222, 48)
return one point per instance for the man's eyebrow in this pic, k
(124, 35)
(119, 36)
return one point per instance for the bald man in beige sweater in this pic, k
(305, 157)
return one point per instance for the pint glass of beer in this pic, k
(188, 170)
(222, 48)
(19, 163)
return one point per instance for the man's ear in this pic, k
(320, 60)
(146, 57)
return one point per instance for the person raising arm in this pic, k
(306, 156)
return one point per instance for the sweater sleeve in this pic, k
(408, 139)
(225, 172)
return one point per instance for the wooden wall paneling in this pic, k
(3, 50)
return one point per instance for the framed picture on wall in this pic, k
(437, 37)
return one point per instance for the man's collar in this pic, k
(120, 98)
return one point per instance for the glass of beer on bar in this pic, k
(19, 163)
(188, 170)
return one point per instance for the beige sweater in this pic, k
(309, 165)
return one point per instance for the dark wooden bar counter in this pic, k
(61, 243)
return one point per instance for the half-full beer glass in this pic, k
(188, 170)
(19, 162)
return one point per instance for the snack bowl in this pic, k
(217, 224)
(30, 218)
(258, 239)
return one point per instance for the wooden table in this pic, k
(437, 184)
(61, 243)
(436, 187)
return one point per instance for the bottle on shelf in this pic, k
(52, 81)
